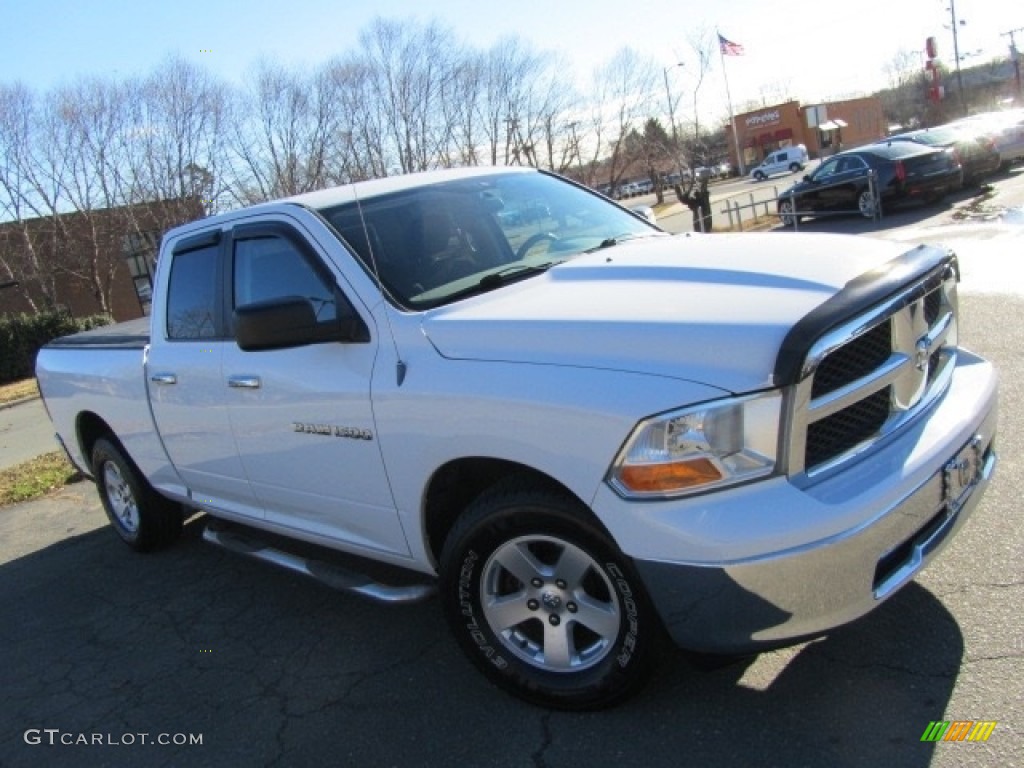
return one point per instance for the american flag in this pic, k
(729, 48)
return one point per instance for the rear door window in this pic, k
(192, 295)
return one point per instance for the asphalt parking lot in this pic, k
(124, 650)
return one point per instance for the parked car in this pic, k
(787, 160)
(1005, 128)
(903, 172)
(646, 211)
(625, 190)
(977, 151)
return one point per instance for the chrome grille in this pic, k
(848, 428)
(865, 379)
(858, 359)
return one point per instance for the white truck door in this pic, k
(185, 378)
(302, 416)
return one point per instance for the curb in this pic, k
(19, 401)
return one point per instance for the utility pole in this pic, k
(956, 55)
(1015, 55)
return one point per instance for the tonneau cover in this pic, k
(132, 334)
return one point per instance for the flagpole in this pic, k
(732, 118)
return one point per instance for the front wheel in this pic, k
(143, 519)
(544, 603)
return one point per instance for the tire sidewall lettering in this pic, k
(467, 607)
(631, 614)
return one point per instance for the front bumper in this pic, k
(769, 563)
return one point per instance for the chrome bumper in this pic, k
(776, 599)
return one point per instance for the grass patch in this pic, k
(17, 390)
(36, 478)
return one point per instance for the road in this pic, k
(272, 670)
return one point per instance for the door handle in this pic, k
(163, 378)
(244, 382)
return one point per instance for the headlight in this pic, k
(697, 449)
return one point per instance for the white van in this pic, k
(785, 160)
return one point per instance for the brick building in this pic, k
(76, 261)
(823, 128)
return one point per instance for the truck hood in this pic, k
(713, 309)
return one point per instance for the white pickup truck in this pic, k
(584, 433)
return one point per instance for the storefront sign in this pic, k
(765, 118)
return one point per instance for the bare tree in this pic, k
(459, 107)
(509, 69)
(703, 43)
(22, 255)
(282, 133)
(178, 145)
(902, 67)
(549, 105)
(622, 97)
(89, 122)
(410, 67)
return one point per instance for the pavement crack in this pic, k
(973, 587)
(537, 757)
(995, 657)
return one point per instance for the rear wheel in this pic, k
(787, 213)
(143, 519)
(866, 204)
(544, 603)
(794, 167)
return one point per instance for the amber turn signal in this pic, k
(665, 478)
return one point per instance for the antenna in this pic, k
(400, 367)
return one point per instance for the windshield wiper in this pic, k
(609, 242)
(513, 273)
(502, 277)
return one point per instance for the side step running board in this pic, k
(331, 574)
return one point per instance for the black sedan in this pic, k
(978, 152)
(860, 180)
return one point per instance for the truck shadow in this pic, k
(273, 669)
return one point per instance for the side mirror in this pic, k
(291, 322)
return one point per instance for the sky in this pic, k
(812, 51)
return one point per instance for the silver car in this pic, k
(1007, 131)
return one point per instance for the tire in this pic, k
(786, 215)
(866, 204)
(572, 629)
(143, 519)
(794, 167)
(759, 176)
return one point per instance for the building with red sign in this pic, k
(823, 128)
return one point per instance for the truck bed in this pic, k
(131, 334)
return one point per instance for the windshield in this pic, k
(441, 242)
